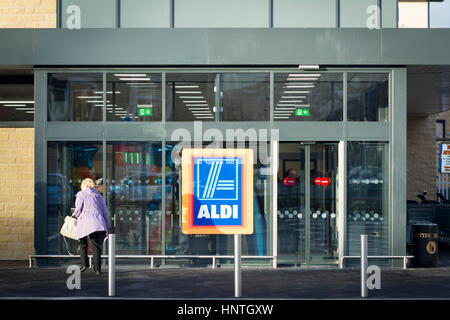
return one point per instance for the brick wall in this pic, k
(17, 146)
(27, 13)
(16, 193)
(421, 160)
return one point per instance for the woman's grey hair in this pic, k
(88, 183)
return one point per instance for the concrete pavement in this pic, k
(19, 281)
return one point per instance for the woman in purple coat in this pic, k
(92, 223)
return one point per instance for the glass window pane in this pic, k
(16, 101)
(439, 14)
(190, 97)
(68, 163)
(413, 14)
(308, 97)
(367, 196)
(88, 13)
(368, 96)
(389, 13)
(145, 14)
(134, 97)
(135, 195)
(291, 204)
(304, 13)
(353, 13)
(177, 243)
(245, 96)
(75, 96)
(218, 13)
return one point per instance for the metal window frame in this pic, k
(444, 132)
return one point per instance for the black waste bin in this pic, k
(424, 244)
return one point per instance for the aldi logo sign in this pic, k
(217, 186)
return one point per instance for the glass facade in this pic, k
(217, 13)
(244, 97)
(355, 14)
(252, 245)
(76, 14)
(191, 96)
(134, 195)
(368, 97)
(229, 14)
(439, 13)
(218, 97)
(304, 13)
(75, 97)
(68, 163)
(16, 102)
(144, 14)
(308, 97)
(367, 197)
(413, 14)
(133, 97)
(306, 203)
(296, 205)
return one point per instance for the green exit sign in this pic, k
(302, 112)
(145, 110)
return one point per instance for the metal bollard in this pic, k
(237, 265)
(112, 265)
(364, 265)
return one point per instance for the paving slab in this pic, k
(208, 283)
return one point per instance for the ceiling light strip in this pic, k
(294, 75)
(130, 74)
(9, 101)
(134, 79)
(188, 92)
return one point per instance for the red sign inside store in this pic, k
(322, 181)
(289, 181)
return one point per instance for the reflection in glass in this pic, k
(368, 96)
(135, 196)
(323, 231)
(190, 97)
(68, 163)
(413, 14)
(245, 96)
(367, 196)
(291, 204)
(16, 102)
(439, 14)
(178, 243)
(308, 97)
(307, 216)
(133, 97)
(75, 96)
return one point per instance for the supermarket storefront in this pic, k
(326, 169)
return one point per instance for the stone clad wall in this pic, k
(17, 146)
(421, 160)
(16, 193)
(28, 14)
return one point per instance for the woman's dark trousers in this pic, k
(96, 241)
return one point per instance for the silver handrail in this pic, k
(405, 259)
(151, 257)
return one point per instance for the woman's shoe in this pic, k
(98, 272)
(82, 269)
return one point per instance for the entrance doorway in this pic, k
(307, 214)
